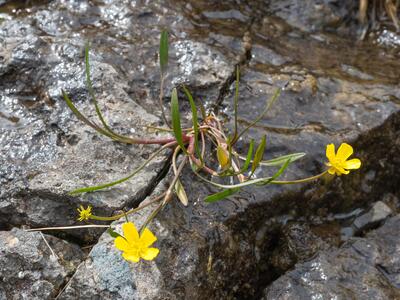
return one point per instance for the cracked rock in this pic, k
(378, 213)
(29, 269)
(45, 152)
(363, 268)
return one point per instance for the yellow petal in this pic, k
(130, 257)
(332, 171)
(121, 244)
(344, 152)
(130, 232)
(352, 164)
(330, 152)
(340, 171)
(149, 253)
(147, 238)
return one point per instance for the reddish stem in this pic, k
(197, 161)
(185, 138)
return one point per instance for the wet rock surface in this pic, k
(363, 268)
(34, 266)
(334, 90)
(378, 213)
(45, 150)
(106, 275)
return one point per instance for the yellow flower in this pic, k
(338, 163)
(84, 214)
(134, 246)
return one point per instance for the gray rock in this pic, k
(106, 275)
(207, 248)
(321, 104)
(378, 213)
(313, 15)
(45, 151)
(364, 268)
(297, 242)
(216, 251)
(29, 269)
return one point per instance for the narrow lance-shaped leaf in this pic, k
(282, 159)
(107, 131)
(164, 51)
(259, 155)
(176, 120)
(221, 195)
(110, 184)
(249, 156)
(93, 96)
(81, 117)
(181, 193)
(90, 88)
(278, 161)
(195, 123)
(258, 181)
(277, 174)
(113, 233)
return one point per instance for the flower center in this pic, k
(336, 162)
(135, 249)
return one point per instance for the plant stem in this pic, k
(67, 227)
(300, 180)
(168, 195)
(153, 141)
(110, 184)
(161, 100)
(198, 162)
(116, 217)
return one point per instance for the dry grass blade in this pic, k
(391, 9)
(362, 11)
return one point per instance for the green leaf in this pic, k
(266, 109)
(176, 120)
(164, 51)
(81, 117)
(110, 184)
(113, 233)
(279, 173)
(221, 195)
(181, 193)
(258, 181)
(249, 156)
(244, 168)
(282, 169)
(195, 123)
(89, 85)
(235, 104)
(282, 159)
(259, 155)
(91, 91)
